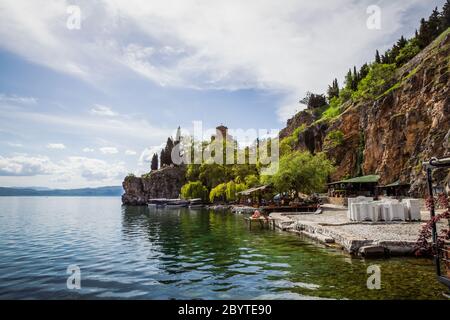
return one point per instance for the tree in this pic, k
(252, 181)
(395, 51)
(445, 16)
(434, 23)
(218, 193)
(364, 71)
(233, 189)
(355, 79)
(302, 172)
(154, 165)
(349, 80)
(162, 158)
(408, 52)
(194, 190)
(378, 80)
(377, 57)
(313, 101)
(212, 174)
(333, 90)
(167, 159)
(425, 34)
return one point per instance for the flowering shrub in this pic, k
(424, 246)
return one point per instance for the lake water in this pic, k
(141, 253)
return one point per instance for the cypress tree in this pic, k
(377, 57)
(168, 152)
(355, 79)
(154, 165)
(364, 71)
(385, 58)
(425, 34)
(434, 23)
(445, 16)
(333, 90)
(162, 158)
(349, 80)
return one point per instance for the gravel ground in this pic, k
(337, 221)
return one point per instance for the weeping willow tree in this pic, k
(301, 172)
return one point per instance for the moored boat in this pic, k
(196, 204)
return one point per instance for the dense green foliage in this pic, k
(374, 79)
(333, 139)
(194, 190)
(313, 101)
(301, 172)
(289, 143)
(409, 51)
(223, 182)
(218, 193)
(379, 79)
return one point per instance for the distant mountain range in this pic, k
(44, 192)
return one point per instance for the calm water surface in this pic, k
(141, 253)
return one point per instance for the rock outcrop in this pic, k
(164, 183)
(393, 134)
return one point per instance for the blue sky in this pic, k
(85, 107)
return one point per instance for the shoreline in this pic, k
(360, 239)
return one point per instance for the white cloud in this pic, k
(130, 153)
(109, 150)
(147, 153)
(88, 150)
(15, 99)
(103, 111)
(58, 146)
(23, 165)
(291, 48)
(93, 169)
(15, 145)
(131, 128)
(70, 169)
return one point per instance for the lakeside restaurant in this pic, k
(366, 186)
(396, 189)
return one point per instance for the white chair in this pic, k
(385, 212)
(350, 214)
(413, 208)
(365, 212)
(356, 212)
(375, 211)
(397, 212)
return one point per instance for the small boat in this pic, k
(177, 204)
(157, 202)
(196, 204)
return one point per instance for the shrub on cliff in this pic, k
(333, 139)
(194, 190)
(408, 52)
(378, 80)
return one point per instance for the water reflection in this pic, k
(149, 253)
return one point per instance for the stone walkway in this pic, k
(394, 238)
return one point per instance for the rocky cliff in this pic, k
(163, 183)
(394, 133)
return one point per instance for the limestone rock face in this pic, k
(164, 183)
(393, 134)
